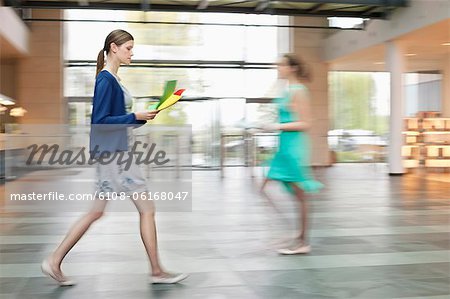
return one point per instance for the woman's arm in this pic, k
(300, 104)
(102, 104)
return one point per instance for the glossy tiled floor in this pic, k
(373, 236)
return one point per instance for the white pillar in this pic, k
(284, 36)
(445, 94)
(395, 63)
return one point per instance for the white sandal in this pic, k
(302, 249)
(171, 278)
(47, 270)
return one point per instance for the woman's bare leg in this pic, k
(263, 192)
(149, 237)
(264, 184)
(73, 236)
(146, 210)
(302, 212)
(299, 246)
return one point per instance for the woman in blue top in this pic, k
(291, 165)
(109, 133)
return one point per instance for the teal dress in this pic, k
(290, 163)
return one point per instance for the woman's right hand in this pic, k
(146, 115)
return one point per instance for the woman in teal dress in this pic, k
(291, 165)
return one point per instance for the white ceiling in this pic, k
(425, 43)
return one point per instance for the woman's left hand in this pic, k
(146, 115)
(153, 113)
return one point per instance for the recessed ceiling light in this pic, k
(379, 62)
(410, 54)
(446, 44)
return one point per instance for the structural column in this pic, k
(308, 45)
(40, 74)
(395, 59)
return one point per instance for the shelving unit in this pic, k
(426, 142)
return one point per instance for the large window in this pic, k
(238, 56)
(423, 93)
(220, 66)
(232, 40)
(360, 115)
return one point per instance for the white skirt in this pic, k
(115, 178)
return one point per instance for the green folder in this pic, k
(153, 106)
(168, 91)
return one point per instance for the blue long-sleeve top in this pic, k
(110, 120)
